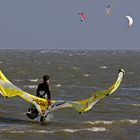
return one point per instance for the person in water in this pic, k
(43, 91)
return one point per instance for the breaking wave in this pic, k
(93, 129)
(111, 122)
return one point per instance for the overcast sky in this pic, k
(54, 24)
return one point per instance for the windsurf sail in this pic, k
(7, 89)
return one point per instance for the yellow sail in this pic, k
(7, 89)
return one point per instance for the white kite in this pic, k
(109, 10)
(130, 21)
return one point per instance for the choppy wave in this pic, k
(86, 75)
(131, 89)
(74, 68)
(135, 104)
(117, 98)
(17, 80)
(130, 121)
(22, 130)
(44, 51)
(94, 129)
(30, 86)
(98, 122)
(111, 122)
(24, 73)
(102, 67)
(33, 80)
(68, 130)
(51, 51)
(70, 55)
(58, 85)
(49, 117)
(131, 73)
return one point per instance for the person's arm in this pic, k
(48, 95)
(49, 102)
(37, 92)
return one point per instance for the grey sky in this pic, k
(54, 24)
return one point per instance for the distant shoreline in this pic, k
(73, 50)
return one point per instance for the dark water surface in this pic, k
(74, 76)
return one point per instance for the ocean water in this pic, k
(74, 75)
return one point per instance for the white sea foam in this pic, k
(29, 131)
(133, 121)
(131, 89)
(18, 80)
(33, 80)
(49, 117)
(30, 86)
(130, 121)
(70, 55)
(93, 129)
(44, 51)
(130, 73)
(135, 104)
(74, 68)
(102, 67)
(117, 98)
(97, 129)
(17, 131)
(58, 85)
(86, 75)
(110, 122)
(98, 122)
(68, 130)
(43, 131)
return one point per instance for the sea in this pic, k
(74, 75)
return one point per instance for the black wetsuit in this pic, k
(43, 91)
